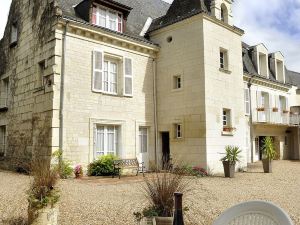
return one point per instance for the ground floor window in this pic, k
(143, 139)
(106, 140)
(3, 140)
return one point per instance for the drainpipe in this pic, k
(62, 88)
(155, 110)
(250, 120)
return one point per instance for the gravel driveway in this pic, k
(112, 202)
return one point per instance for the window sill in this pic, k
(226, 133)
(112, 94)
(13, 44)
(225, 71)
(177, 89)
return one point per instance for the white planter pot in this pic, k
(147, 221)
(163, 221)
(47, 216)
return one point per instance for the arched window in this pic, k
(224, 13)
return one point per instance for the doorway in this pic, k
(165, 137)
(261, 146)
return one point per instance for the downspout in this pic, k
(62, 89)
(155, 111)
(250, 120)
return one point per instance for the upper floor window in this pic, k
(108, 18)
(226, 118)
(223, 59)
(177, 82)
(14, 33)
(111, 71)
(178, 130)
(247, 101)
(4, 93)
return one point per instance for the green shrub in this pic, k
(64, 166)
(103, 166)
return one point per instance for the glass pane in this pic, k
(98, 80)
(144, 143)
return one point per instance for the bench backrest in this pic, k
(126, 162)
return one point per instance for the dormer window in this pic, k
(108, 18)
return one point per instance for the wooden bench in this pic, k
(127, 164)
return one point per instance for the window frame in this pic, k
(177, 82)
(3, 139)
(143, 148)
(14, 34)
(105, 141)
(223, 59)
(109, 80)
(118, 19)
(226, 117)
(178, 131)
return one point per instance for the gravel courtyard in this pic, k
(112, 202)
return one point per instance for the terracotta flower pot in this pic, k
(229, 169)
(163, 221)
(267, 165)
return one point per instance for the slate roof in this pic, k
(292, 78)
(141, 10)
(180, 10)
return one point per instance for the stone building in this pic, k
(140, 78)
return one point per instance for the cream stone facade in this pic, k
(144, 80)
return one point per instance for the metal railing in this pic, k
(3, 102)
(275, 116)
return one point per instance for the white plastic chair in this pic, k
(254, 213)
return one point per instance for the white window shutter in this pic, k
(258, 98)
(276, 99)
(95, 140)
(128, 76)
(98, 62)
(287, 106)
(271, 99)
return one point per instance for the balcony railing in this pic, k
(3, 102)
(275, 116)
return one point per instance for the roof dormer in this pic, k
(222, 10)
(260, 59)
(104, 13)
(277, 66)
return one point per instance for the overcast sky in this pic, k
(275, 23)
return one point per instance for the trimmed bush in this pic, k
(103, 166)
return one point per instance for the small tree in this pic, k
(268, 148)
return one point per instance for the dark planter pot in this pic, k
(229, 169)
(267, 164)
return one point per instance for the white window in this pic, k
(14, 33)
(143, 138)
(226, 117)
(110, 78)
(106, 74)
(178, 130)
(106, 140)
(177, 82)
(108, 18)
(247, 101)
(223, 59)
(128, 77)
(3, 138)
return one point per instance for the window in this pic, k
(226, 118)
(107, 18)
(178, 130)
(263, 64)
(223, 60)
(110, 77)
(224, 13)
(128, 77)
(3, 138)
(247, 101)
(143, 138)
(14, 33)
(4, 93)
(107, 72)
(177, 82)
(41, 69)
(106, 140)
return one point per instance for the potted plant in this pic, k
(43, 196)
(269, 154)
(285, 111)
(232, 155)
(78, 171)
(275, 109)
(229, 129)
(159, 189)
